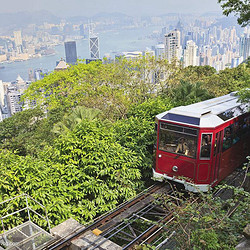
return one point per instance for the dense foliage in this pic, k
(29, 131)
(209, 222)
(84, 174)
(239, 7)
(92, 148)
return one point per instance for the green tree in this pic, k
(137, 134)
(84, 174)
(239, 7)
(109, 87)
(27, 132)
(229, 80)
(78, 114)
(150, 108)
(244, 95)
(187, 93)
(203, 221)
(195, 74)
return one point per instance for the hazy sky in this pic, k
(91, 7)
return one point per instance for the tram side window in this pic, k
(206, 142)
(236, 133)
(216, 144)
(246, 125)
(227, 139)
(240, 129)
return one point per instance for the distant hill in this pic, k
(99, 17)
(212, 13)
(24, 18)
(77, 19)
(110, 15)
(227, 22)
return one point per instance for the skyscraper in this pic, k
(190, 54)
(159, 50)
(82, 32)
(70, 52)
(14, 100)
(18, 37)
(93, 43)
(18, 41)
(94, 47)
(235, 62)
(172, 45)
(1, 114)
(245, 46)
(1, 93)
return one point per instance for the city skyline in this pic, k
(196, 40)
(130, 7)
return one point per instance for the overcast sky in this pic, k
(91, 7)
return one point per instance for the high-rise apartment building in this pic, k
(190, 54)
(235, 62)
(82, 31)
(1, 93)
(233, 35)
(172, 45)
(14, 100)
(4, 113)
(18, 41)
(14, 93)
(70, 52)
(18, 38)
(245, 46)
(159, 50)
(1, 114)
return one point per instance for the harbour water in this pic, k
(111, 42)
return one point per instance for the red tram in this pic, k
(200, 144)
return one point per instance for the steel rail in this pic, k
(106, 217)
(132, 218)
(147, 232)
(237, 172)
(123, 225)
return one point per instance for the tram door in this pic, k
(216, 156)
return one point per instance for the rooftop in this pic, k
(209, 113)
(61, 65)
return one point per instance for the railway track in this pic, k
(141, 220)
(234, 179)
(120, 225)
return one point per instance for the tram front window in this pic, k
(178, 139)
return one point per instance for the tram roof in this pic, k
(209, 113)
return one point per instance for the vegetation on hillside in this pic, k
(205, 221)
(88, 144)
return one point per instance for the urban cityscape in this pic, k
(194, 40)
(125, 124)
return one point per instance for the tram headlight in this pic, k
(175, 168)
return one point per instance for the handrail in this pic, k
(27, 207)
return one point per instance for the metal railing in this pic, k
(25, 198)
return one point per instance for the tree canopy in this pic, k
(239, 7)
(88, 144)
